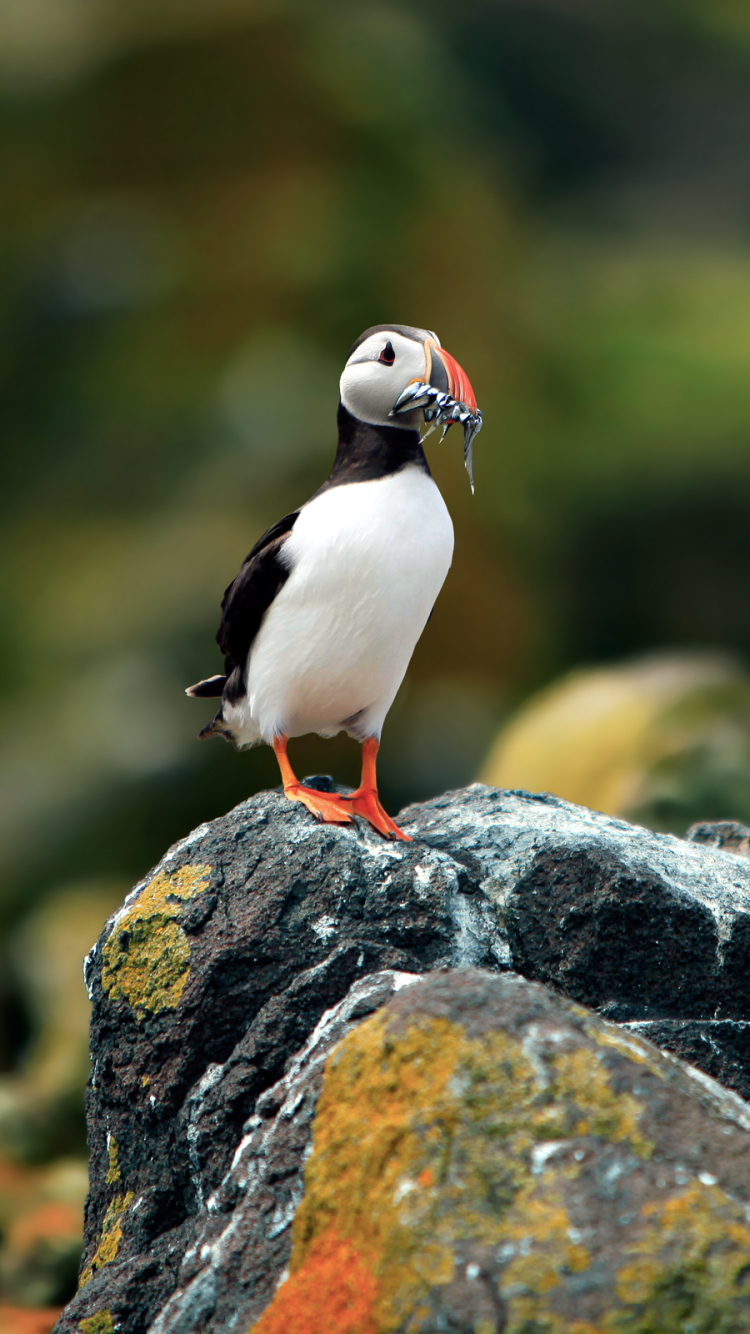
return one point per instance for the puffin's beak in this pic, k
(446, 396)
(459, 386)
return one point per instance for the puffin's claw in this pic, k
(441, 409)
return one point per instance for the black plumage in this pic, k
(243, 607)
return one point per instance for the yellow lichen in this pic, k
(446, 1130)
(113, 1171)
(147, 956)
(111, 1236)
(584, 1082)
(100, 1323)
(426, 1140)
(532, 1275)
(690, 1268)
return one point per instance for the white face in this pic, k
(372, 382)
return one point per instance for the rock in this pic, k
(720, 1047)
(218, 967)
(242, 1240)
(727, 834)
(638, 924)
(479, 1154)
(489, 1157)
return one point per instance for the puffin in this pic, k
(319, 626)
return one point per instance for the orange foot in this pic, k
(328, 807)
(331, 808)
(366, 802)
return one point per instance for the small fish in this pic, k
(440, 409)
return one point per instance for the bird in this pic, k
(319, 626)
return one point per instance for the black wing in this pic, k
(247, 600)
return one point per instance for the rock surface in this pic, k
(490, 1157)
(219, 966)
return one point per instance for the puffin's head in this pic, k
(398, 376)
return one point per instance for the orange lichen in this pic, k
(366, 1186)
(445, 1130)
(334, 1289)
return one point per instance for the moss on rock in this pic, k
(147, 956)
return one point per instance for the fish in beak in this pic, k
(446, 396)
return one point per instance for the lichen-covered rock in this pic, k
(489, 1157)
(242, 1243)
(477, 1154)
(220, 964)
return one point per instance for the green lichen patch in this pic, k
(147, 957)
(101, 1323)
(111, 1236)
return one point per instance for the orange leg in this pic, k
(325, 806)
(365, 801)
(334, 809)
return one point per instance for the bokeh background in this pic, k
(202, 203)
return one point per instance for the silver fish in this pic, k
(440, 409)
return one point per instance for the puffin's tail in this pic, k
(211, 688)
(216, 727)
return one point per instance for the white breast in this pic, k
(367, 561)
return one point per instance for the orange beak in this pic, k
(459, 385)
(445, 395)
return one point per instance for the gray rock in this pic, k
(635, 923)
(222, 961)
(727, 834)
(586, 1144)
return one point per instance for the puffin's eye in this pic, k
(387, 356)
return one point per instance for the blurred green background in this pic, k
(203, 202)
